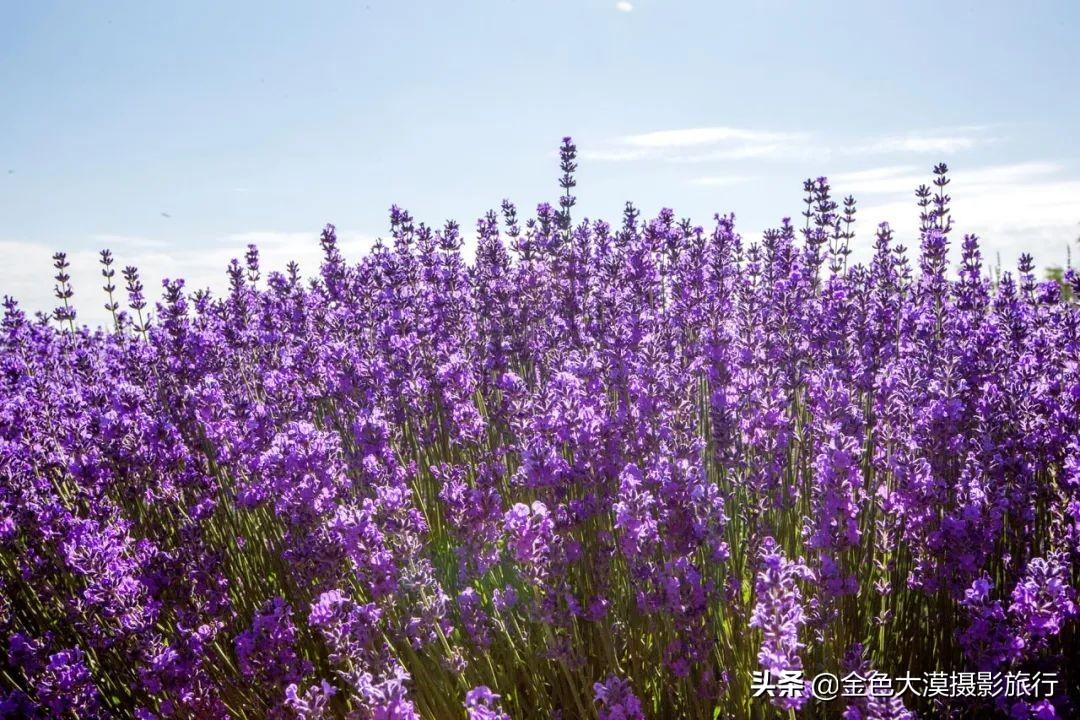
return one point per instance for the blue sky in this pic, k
(175, 133)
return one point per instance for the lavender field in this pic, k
(638, 469)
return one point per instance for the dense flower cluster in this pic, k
(780, 616)
(593, 471)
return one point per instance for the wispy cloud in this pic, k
(716, 143)
(719, 180)
(624, 6)
(124, 242)
(946, 141)
(701, 144)
(697, 136)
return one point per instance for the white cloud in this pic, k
(32, 285)
(947, 141)
(698, 136)
(717, 143)
(702, 144)
(624, 6)
(123, 242)
(893, 178)
(612, 155)
(719, 180)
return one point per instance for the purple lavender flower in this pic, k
(313, 704)
(615, 700)
(266, 652)
(1044, 600)
(529, 531)
(425, 470)
(482, 704)
(64, 687)
(780, 615)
